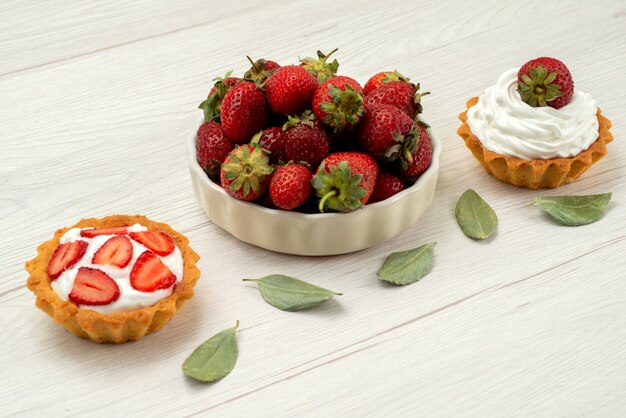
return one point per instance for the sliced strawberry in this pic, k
(90, 233)
(160, 243)
(150, 274)
(116, 251)
(65, 256)
(93, 287)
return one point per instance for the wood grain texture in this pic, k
(98, 100)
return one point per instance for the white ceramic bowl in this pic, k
(315, 234)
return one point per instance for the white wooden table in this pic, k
(97, 100)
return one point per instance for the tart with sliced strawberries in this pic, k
(113, 279)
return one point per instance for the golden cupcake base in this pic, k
(535, 174)
(115, 327)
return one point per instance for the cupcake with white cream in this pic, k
(531, 129)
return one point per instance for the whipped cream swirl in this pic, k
(506, 125)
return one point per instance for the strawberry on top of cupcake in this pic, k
(545, 81)
(532, 129)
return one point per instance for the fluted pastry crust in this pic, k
(535, 174)
(115, 327)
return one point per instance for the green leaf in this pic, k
(214, 358)
(574, 210)
(406, 267)
(475, 217)
(289, 294)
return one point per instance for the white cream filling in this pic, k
(506, 125)
(129, 298)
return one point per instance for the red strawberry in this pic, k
(290, 90)
(150, 274)
(400, 94)
(212, 147)
(244, 112)
(305, 140)
(65, 256)
(385, 131)
(90, 233)
(116, 251)
(411, 168)
(245, 173)
(93, 287)
(344, 181)
(160, 243)
(212, 105)
(321, 69)
(290, 186)
(379, 79)
(338, 102)
(387, 185)
(545, 81)
(261, 69)
(272, 140)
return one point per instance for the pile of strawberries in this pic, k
(300, 137)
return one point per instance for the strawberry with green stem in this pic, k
(290, 90)
(213, 103)
(545, 81)
(344, 181)
(401, 94)
(387, 132)
(245, 173)
(413, 165)
(244, 112)
(320, 67)
(260, 71)
(272, 140)
(338, 103)
(381, 78)
(305, 140)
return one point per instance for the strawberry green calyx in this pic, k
(394, 76)
(260, 71)
(255, 141)
(417, 99)
(213, 103)
(247, 168)
(424, 124)
(409, 147)
(337, 188)
(319, 66)
(405, 147)
(537, 87)
(345, 109)
(306, 118)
